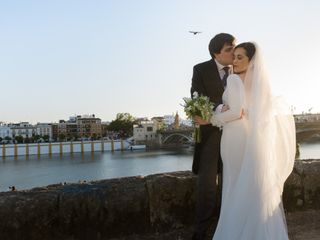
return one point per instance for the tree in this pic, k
(36, 138)
(123, 124)
(46, 138)
(62, 137)
(94, 136)
(19, 139)
(75, 137)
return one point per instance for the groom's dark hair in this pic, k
(218, 41)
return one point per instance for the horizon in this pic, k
(88, 115)
(60, 58)
(139, 117)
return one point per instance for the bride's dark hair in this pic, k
(249, 48)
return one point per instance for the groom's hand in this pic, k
(198, 120)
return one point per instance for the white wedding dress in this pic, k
(257, 150)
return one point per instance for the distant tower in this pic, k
(176, 121)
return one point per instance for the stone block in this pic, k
(171, 200)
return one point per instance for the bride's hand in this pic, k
(225, 108)
(198, 120)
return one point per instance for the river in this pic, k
(25, 173)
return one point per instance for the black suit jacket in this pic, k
(206, 81)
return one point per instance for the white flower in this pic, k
(195, 95)
(198, 106)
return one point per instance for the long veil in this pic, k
(271, 144)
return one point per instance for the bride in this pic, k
(257, 150)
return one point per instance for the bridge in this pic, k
(307, 130)
(304, 131)
(177, 137)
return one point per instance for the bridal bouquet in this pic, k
(198, 106)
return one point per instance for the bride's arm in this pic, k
(235, 96)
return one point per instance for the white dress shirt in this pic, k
(221, 70)
(221, 73)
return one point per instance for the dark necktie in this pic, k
(224, 79)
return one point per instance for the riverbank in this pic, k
(15, 150)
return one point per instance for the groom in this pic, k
(209, 79)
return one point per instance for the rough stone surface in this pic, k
(27, 213)
(170, 194)
(88, 211)
(158, 206)
(302, 188)
(293, 194)
(302, 225)
(311, 184)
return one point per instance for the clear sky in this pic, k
(64, 57)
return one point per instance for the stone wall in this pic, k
(302, 188)
(118, 207)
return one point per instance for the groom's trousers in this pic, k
(207, 189)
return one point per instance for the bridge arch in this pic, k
(182, 136)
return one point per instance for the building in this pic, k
(176, 124)
(185, 123)
(68, 130)
(169, 119)
(145, 131)
(72, 131)
(72, 128)
(5, 131)
(159, 123)
(44, 129)
(62, 130)
(78, 127)
(89, 126)
(172, 121)
(55, 131)
(23, 129)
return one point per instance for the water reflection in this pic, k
(310, 150)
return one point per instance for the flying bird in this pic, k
(194, 32)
